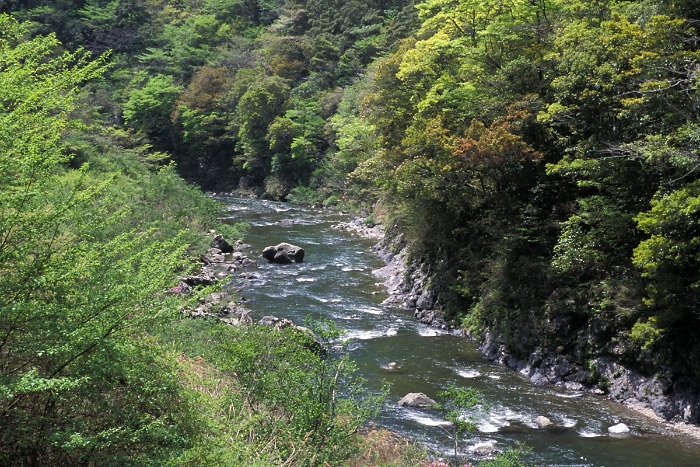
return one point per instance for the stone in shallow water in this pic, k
(619, 429)
(416, 399)
(542, 422)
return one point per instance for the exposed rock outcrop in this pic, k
(670, 400)
(542, 422)
(408, 285)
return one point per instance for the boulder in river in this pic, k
(416, 399)
(484, 450)
(221, 244)
(618, 429)
(542, 422)
(284, 253)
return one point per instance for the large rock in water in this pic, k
(416, 399)
(284, 253)
(618, 429)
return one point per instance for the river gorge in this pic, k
(336, 282)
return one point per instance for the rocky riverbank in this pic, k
(674, 403)
(224, 262)
(221, 261)
(408, 284)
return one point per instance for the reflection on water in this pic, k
(336, 282)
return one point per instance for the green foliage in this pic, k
(458, 400)
(645, 333)
(75, 379)
(300, 388)
(511, 457)
(669, 257)
(149, 106)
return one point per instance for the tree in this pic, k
(202, 118)
(257, 109)
(80, 382)
(149, 107)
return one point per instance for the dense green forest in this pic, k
(540, 155)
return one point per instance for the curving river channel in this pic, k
(336, 282)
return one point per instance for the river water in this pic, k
(336, 282)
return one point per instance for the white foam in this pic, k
(426, 420)
(588, 434)
(567, 422)
(429, 332)
(368, 335)
(371, 310)
(468, 373)
(347, 269)
(571, 396)
(306, 279)
(496, 377)
(485, 426)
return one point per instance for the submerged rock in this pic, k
(416, 399)
(284, 253)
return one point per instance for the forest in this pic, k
(540, 156)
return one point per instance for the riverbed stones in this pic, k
(214, 255)
(484, 450)
(204, 278)
(416, 400)
(284, 253)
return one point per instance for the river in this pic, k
(336, 282)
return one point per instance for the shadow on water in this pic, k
(336, 282)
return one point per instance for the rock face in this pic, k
(409, 285)
(284, 253)
(679, 400)
(219, 243)
(416, 399)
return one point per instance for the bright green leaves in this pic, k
(80, 280)
(149, 106)
(37, 87)
(670, 257)
(457, 401)
(257, 109)
(305, 379)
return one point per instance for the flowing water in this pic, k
(336, 282)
